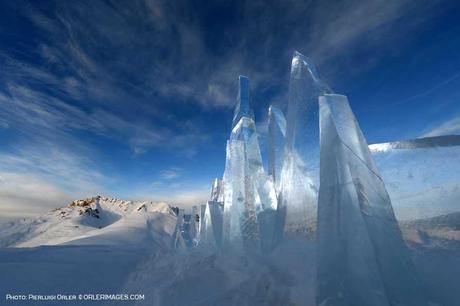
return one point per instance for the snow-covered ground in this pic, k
(111, 246)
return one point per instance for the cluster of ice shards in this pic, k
(249, 193)
(422, 175)
(362, 258)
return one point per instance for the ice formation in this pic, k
(201, 222)
(422, 175)
(418, 143)
(178, 239)
(217, 191)
(212, 234)
(362, 258)
(195, 221)
(276, 136)
(249, 192)
(234, 200)
(298, 186)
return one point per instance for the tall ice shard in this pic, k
(362, 258)
(212, 236)
(234, 205)
(276, 135)
(201, 223)
(242, 108)
(299, 179)
(178, 240)
(249, 191)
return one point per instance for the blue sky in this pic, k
(134, 99)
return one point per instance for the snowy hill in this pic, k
(97, 220)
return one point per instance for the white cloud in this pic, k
(170, 174)
(71, 166)
(448, 127)
(28, 195)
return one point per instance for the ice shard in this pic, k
(362, 259)
(178, 241)
(298, 187)
(422, 175)
(217, 191)
(212, 217)
(234, 193)
(417, 143)
(276, 135)
(248, 189)
(187, 230)
(201, 222)
(195, 225)
(242, 108)
(214, 222)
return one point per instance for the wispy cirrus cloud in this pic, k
(172, 173)
(39, 175)
(449, 127)
(26, 195)
(93, 79)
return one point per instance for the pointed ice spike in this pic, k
(217, 191)
(242, 107)
(301, 62)
(305, 88)
(248, 189)
(213, 230)
(362, 258)
(299, 177)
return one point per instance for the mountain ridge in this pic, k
(85, 218)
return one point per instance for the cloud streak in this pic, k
(449, 127)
